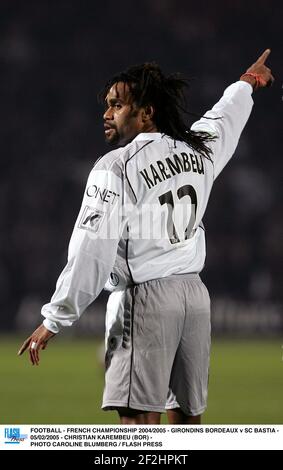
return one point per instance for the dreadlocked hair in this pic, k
(149, 86)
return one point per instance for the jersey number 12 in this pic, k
(167, 198)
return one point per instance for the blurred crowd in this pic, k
(54, 59)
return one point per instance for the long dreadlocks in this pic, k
(149, 86)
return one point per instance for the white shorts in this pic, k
(158, 346)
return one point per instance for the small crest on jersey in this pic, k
(114, 279)
(91, 219)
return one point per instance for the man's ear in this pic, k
(147, 113)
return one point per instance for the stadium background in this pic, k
(54, 58)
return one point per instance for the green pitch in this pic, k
(246, 383)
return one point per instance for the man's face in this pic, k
(122, 118)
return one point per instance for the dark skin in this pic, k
(123, 121)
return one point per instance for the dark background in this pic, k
(56, 56)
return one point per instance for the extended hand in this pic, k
(34, 343)
(258, 75)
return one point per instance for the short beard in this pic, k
(113, 142)
(115, 139)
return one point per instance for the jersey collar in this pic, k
(148, 136)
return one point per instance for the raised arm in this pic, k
(227, 119)
(258, 74)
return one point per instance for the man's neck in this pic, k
(150, 128)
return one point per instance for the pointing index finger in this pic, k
(263, 56)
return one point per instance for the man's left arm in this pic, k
(227, 119)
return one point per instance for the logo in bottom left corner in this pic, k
(14, 436)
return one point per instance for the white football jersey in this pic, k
(142, 210)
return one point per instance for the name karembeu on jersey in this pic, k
(163, 170)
